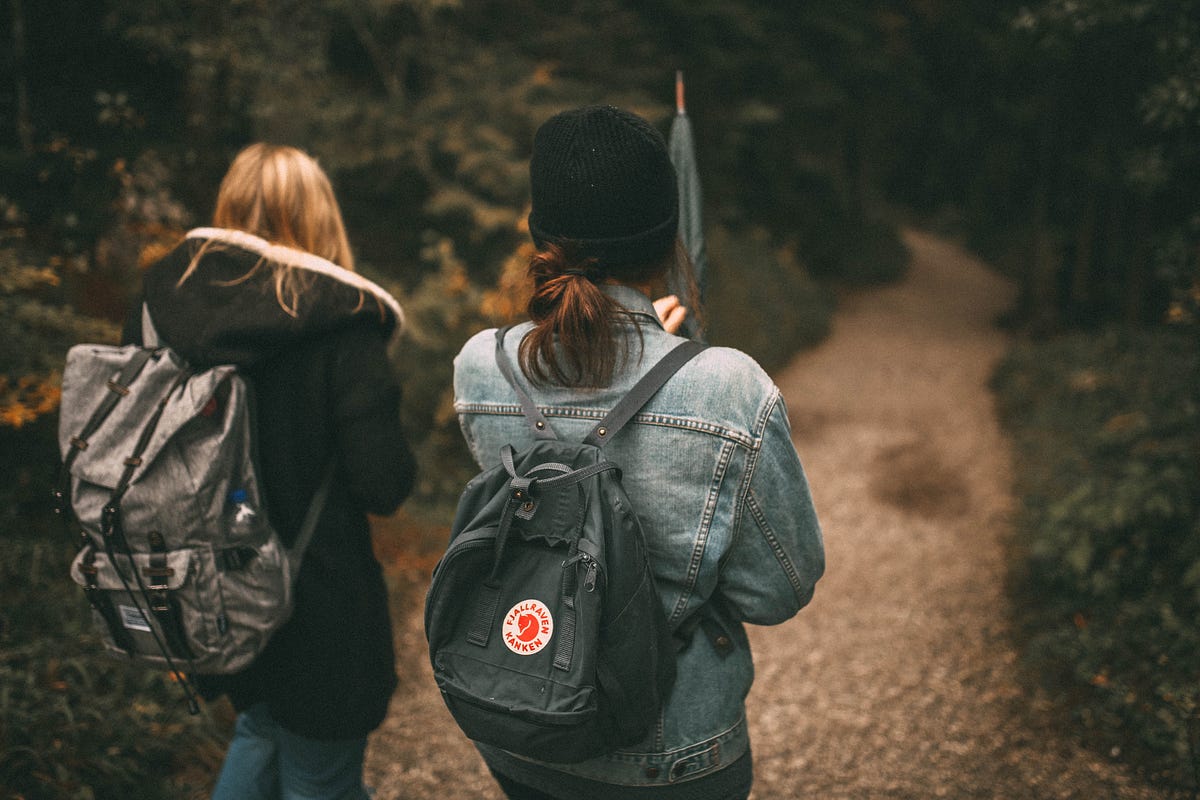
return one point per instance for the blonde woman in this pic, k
(271, 287)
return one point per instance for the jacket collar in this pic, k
(229, 313)
(633, 301)
(289, 256)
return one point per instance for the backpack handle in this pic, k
(629, 405)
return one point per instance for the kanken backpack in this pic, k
(546, 633)
(177, 558)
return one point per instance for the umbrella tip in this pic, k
(679, 106)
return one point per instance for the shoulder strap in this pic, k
(150, 338)
(622, 412)
(149, 332)
(537, 423)
(311, 517)
(643, 390)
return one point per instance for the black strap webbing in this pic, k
(103, 603)
(118, 388)
(485, 615)
(565, 633)
(134, 460)
(163, 604)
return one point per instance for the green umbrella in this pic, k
(691, 229)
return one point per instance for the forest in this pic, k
(1059, 139)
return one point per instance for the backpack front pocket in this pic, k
(148, 605)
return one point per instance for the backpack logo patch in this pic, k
(133, 618)
(527, 627)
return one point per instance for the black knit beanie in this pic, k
(603, 185)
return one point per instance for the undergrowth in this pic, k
(1106, 580)
(75, 723)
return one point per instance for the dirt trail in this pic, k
(899, 680)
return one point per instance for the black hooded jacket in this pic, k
(325, 393)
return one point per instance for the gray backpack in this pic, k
(177, 558)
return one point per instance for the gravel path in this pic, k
(899, 680)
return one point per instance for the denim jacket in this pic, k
(711, 470)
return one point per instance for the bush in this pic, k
(75, 723)
(760, 299)
(836, 244)
(441, 313)
(1107, 587)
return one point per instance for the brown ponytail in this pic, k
(572, 341)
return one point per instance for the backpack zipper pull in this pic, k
(593, 569)
(589, 581)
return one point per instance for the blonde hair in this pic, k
(280, 194)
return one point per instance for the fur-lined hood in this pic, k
(217, 317)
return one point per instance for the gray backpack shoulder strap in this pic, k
(150, 339)
(149, 333)
(538, 425)
(646, 387)
(311, 517)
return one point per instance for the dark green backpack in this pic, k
(546, 633)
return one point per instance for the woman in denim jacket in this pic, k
(708, 463)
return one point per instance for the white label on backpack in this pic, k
(132, 618)
(528, 627)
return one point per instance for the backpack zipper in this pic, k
(564, 650)
(593, 569)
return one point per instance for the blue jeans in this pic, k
(266, 762)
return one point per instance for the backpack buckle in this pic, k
(110, 520)
(159, 601)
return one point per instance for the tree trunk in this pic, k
(24, 120)
(1043, 264)
(856, 172)
(383, 67)
(1044, 260)
(1137, 276)
(1085, 247)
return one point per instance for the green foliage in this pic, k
(424, 111)
(36, 328)
(75, 724)
(761, 300)
(441, 313)
(1062, 132)
(1107, 430)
